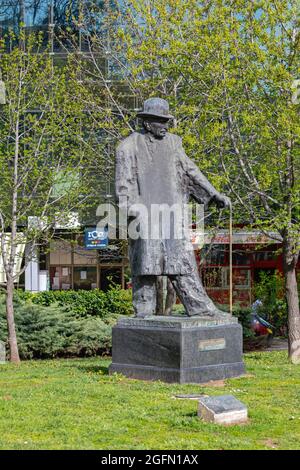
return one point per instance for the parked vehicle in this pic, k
(259, 325)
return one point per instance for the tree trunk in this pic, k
(292, 297)
(12, 337)
(159, 295)
(170, 299)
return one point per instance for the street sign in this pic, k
(95, 238)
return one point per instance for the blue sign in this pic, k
(95, 238)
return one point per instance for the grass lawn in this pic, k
(74, 404)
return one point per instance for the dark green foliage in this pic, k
(82, 302)
(244, 317)
(270, 290)
(56, 324)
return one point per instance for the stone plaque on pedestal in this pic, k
(178, 349)
(2, 353)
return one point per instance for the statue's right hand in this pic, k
(222, 201)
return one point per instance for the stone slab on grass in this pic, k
(223, 409)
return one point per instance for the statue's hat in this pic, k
(155, 107)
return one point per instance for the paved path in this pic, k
(278, 344)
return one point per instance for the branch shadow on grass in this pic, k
(95, 369)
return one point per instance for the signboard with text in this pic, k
(222, 238)
(95, 238)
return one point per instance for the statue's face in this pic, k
(157, 127)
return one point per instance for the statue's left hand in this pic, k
(222, 201)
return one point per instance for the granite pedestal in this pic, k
(177, 349)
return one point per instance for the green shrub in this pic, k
(244, 317)
(83, 302)
(57, 330)
(270, 290)
(119, 301)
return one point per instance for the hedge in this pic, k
(85, 302)
(65, 324)
(75, 323)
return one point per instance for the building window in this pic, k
(241, 278)
(85, 277)
(218, 278)
(215, 255)
(241, 258)
(60, 278)
(264, 256)
(215, 278)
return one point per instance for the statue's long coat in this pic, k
(152, 171)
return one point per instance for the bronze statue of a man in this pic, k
(152, 169)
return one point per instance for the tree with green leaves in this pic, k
(229, 70)
(258, 145)
(48, 162)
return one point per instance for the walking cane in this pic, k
(230, 260)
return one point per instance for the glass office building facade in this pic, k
(39, 14)
(51, 18)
